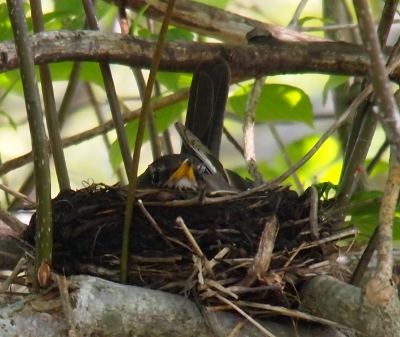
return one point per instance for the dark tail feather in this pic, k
(221, 78)
(207, 101)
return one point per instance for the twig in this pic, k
(156, 226)
(291, 313)
(66, 303)
(314, 200)
(286, 157)
(233, 141)
(244, 314)
(4, 286)
(11, 221)
(16, 194)
(295, 19)
(262, 259)
(248, 131)
(196, 247)
(377, 157)
(100, 119)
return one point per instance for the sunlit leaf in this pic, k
(277, 103)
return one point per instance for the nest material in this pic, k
(255, 247)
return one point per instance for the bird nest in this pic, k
(251, 248)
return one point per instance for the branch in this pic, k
(211, 21)
(273, 58)
(388, 113)
(135, 311)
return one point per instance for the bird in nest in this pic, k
(198, 166)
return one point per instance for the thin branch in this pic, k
(139, 139)
(16, 194)
(141, 84)
(388, 113)
(286, 157)
(50, 110)
(248, 131)
(100, 119)
(44, 228)
(295, 19)
(111, 94)
(11, 221)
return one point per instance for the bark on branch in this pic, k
(273, 58)
(108, 309)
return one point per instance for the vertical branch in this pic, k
(44, 229)
(388, 113)
(386, 216)
(364, 126)
(101, 121)
(248, 131)
(50, 105)
(141, 83)
(139, 139)
(111, 94)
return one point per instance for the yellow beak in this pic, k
(183, 178)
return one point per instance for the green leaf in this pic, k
(382, 167)
(366, 216)
(333, 82)
(5, 24)
(138, 17)
(277, 103)
(174, 81)
(175, 33)
(164, 118)
(216, 3)
(74, 15)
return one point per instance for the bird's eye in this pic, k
(155, 177)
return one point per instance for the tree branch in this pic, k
(273, 58)
(212, 21)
